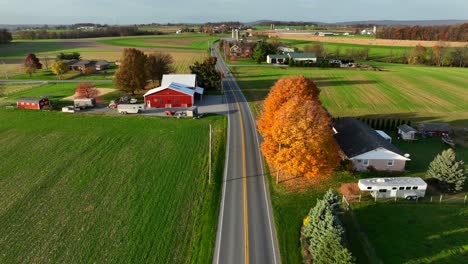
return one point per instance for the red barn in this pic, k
(175, 91)
(32, 103)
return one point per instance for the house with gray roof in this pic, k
(365, 148)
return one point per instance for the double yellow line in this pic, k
(244, 182)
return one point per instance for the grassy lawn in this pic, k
(44, 75)
(401, 91)
(290, 207)
(78, 188)
(184, 41)
(54, 91)
(416, 233)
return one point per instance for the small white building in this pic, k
(403, 187)
(406, 132)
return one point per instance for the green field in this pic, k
(182, 41)
(399, 91)
(416, 233)
(78, 188)
(376, 53)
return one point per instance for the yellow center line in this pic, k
(244, 178)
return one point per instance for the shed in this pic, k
(276, 59)
(32, 103)
(438, 129)
(406, 132)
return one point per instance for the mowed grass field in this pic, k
(410, 92)
(376, 53)
(416, 233)
(96, 189)
(177, 41)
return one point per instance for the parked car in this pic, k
(130, 108)
(70, 109)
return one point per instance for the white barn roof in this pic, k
(189, 80)
(174, 86)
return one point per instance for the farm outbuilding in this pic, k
(406, 132)
(276, 59)
(437, 129)
(32, 103)
(176, 90)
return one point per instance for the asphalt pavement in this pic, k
(246, 231)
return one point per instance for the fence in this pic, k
(440, 199)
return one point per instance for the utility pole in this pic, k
(209, 161)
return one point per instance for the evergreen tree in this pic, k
(449, 171)
(331, 250)
(261, 51)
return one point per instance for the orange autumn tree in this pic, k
(283, 90)
(297, 133)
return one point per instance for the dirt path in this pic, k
(101, 92)
(372, 42)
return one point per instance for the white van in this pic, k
(130, 108)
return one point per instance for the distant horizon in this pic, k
(242, 22)
(122, 12)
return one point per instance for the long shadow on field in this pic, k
(323, 84)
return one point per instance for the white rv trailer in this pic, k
(403, 187)
(130, 108)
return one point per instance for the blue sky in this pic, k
(147, 11)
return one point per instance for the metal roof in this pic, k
(442, 127)
(278, 56)
(394, 181)
(189, 80)
(356, 137)
(301, 55)
(174, 86)
(30, 99)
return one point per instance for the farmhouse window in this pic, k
(382, 190)
(402, 188)
(390, 162)
(415, 187)
(176, 101)
(394, 188)
(408, 188)
(161, 101)
(369, 188)
(365, 162)
(22, 103)
(359, 161)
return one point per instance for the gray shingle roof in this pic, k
(302, 55)
(405, 128)
(356, 137)
(441, 127)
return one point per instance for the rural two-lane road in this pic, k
(246, 230)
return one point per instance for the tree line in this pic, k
(5, 36)
(324, 233)
(114, 31)
(136, 68)
(434, 33)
